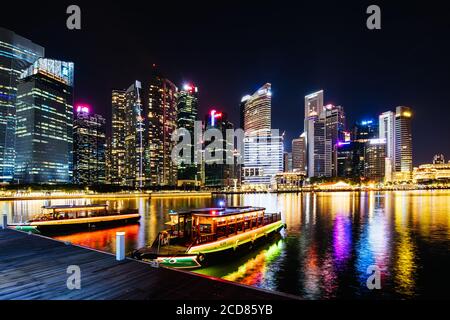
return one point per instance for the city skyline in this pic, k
(366, 79)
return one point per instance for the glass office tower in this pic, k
(16, 54)
(44, 123)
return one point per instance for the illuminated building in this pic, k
(315, 134)
(289, 181)
(334, 133)
(403, 144)
(187, 114)
(365, 130)
(299, 153)
(116, 168)
(44, 123)
(162, 122)
(432, 173)
(375, 159)
(387, 131)
(16, 54)
(350, 159)
(263, 148)
(88, 147)
(218, 174)
(134, 175)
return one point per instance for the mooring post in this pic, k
(120, 246)
(4, 221)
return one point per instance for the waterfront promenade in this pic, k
(34, 267)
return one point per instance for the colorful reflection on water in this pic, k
(330, 242)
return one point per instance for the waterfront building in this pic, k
(315, 134)
(432, 173)
(289, 181)
(350, 159)
(403, 144)
(375, 159)
(44, 132)
(134, 162)
(89, 138)
(334, 133)
(162, 122)
(187, 114)
(263, 148)
(299, 153)
(116, 175)
(218, 167)
(16, 55)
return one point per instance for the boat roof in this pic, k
(228, 211)
(82, 206)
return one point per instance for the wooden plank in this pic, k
(34, 267)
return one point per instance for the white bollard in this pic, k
(120, 246)
(4, 221)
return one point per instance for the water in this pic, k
(330, 241)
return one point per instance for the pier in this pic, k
(33, 267)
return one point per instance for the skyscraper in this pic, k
(334, 133)
(134, 137)
(263, 149)
(187, 114)
(299, 153)
(116, 170)
(162, 122)
(315, 134)
(218, 173)
(44, 123)
(16, 54)
(403, 144)
(386, 123)
(89, 147)
(375, 157)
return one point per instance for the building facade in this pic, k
(162, 122)
(375, 160)
(44, 132)
(116, 165)
(89, 154)
(315, 134)
(299, 153)
(334, 133)
(403, 144)
(134, 162)
(263, 147)
(16, 55)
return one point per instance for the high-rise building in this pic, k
(334, 133)
(315, 134)
(16, 54)
(44, 135)
(218, 173)
(375, 158)
(134, 137)
(299, 153)
(350, 159)
(162, 122)
(263, 148)
(386, 123)
(116, 175)
(187, 114)
(365, 130)
(89, 142)
(403, 144)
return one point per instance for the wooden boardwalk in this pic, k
(34, 267)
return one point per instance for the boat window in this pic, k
(205, 228)
(221, 231)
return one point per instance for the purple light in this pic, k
(82, 109)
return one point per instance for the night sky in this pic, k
(231, 48)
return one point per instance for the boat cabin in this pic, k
(211, 224)
(71, 211)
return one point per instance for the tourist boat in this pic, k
(64, 218)
(205, 236)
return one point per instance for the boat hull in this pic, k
(63, 226)
(218, 251)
